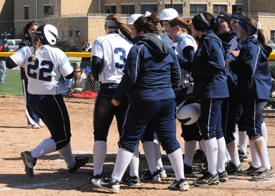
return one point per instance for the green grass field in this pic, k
(13, 84)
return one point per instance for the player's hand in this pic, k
(115, 102)
(235, 53)
(228, 64)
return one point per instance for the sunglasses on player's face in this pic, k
(76, 71)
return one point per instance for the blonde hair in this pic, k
(36, 44)
(121, 26)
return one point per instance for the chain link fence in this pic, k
(81, 87)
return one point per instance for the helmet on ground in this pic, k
(48, 34)
(189, 113)
(168, 14)
(133, 18)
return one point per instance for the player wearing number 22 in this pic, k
(109, 55)
(45, 68)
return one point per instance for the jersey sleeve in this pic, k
(97, 49)
(19, 57)
(184, 42)
(64, 66)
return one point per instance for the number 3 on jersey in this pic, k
(122, 56)
(31, 69)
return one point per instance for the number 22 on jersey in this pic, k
(35, 72)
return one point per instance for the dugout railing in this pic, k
(82, 60)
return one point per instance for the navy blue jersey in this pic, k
(210, 80)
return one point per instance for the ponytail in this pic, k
(36, 44)
(121, 26)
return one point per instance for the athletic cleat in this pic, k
(111, 186)
(264, 175)
(233, 169)
(242, 155)
(162, 173)
(207, 179)
(40, 123)
(29, 162)
(79, 163)
(133, 181)
(223, 177)
(35, 126)
(153, 177)
(250, 171)
(182, 185)
(97, 180)
(199, 157)
(188, 172)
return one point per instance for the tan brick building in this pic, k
(83, 20)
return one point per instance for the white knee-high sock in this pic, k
(233, 151)
(221, 155)
(189, 147)
(211, 147)
(134, 164)
(261, 148)
(100, 150)
(236, 134)
(66, 154)
(45, 147)
(122, 161)
(243, 141)
(227, 155)
(177, 163)
(149, 151)
(264, 131)
(157, 153)
(202, 146)
(254, 156)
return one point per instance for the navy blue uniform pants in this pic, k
(147, 117)
(105, 111)
(52, 110)
(210, 119)
(253, 114)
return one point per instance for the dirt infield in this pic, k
(51, 176)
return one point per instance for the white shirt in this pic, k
(45, 76)
(113, 49)
(184, 41)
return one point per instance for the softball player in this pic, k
(109, 55)
(179, 30)
(151, 71)
(45, 68)
(165, 16)
(210, 87)
(254, 85)
(29, 31)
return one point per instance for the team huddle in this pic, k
(213, 69)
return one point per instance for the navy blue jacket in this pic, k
(150, 71)
(252, 68)
(210, 79)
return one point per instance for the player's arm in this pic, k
(16, 59)
(10, 63)
(97, 59)
(65, 67)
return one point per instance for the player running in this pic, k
(45, 68)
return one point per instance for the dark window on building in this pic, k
(77, 34)
(128, 9)
(237, 8)
(197, 9)
(219, 8)
(26, 12)
(110, 9)
(272, 36)
(177, 7)
(48, 10)
(153, 8)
